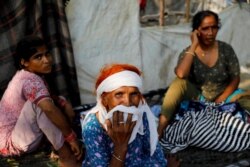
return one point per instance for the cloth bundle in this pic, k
(220, 128)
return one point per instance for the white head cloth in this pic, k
(113, 82)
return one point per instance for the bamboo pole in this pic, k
(161, 12)
(187, 13)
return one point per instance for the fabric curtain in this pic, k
(45, 18)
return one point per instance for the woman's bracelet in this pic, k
(118, 158)
(62, 101)
(71, 137)
(191, 53)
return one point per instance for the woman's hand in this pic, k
(231, 87)
(183, 67)
(120, 131)
(163, 123)
(173, 161)
(220, 99)
(195, 38)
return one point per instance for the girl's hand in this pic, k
(76, 149)
(69, 112)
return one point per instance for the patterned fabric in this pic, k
(47, 19)
(24, 86)
(99, 147)
(206, 126)
(213, 80)
(196, 106)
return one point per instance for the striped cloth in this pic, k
(208, 129)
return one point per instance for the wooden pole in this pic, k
(161, 12)
(202, 5)
(187, 15)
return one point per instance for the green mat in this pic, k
(35, 159)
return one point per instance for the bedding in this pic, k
(220, 127)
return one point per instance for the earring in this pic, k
(21, 65)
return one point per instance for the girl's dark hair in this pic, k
(26, 47)
(198, 18)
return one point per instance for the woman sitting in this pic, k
(120, 130)
(208, 76)
(207, 70)
(28, 111)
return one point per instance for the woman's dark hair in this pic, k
(198, 18)
(26, 47)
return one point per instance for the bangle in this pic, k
(71, 137)
(191, 53)
(118, 158)
(62, 101)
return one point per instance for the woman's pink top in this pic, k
(23, 86)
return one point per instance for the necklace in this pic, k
(203, 54)
(207, 51)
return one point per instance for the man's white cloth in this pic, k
(113, 82)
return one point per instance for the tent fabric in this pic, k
(47, 19)
(235, 30)
(109, 31)
(102, 32)
(165, 44)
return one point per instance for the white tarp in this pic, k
(108, 31)
(236, 31)
(102, 32)
(161, 46)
